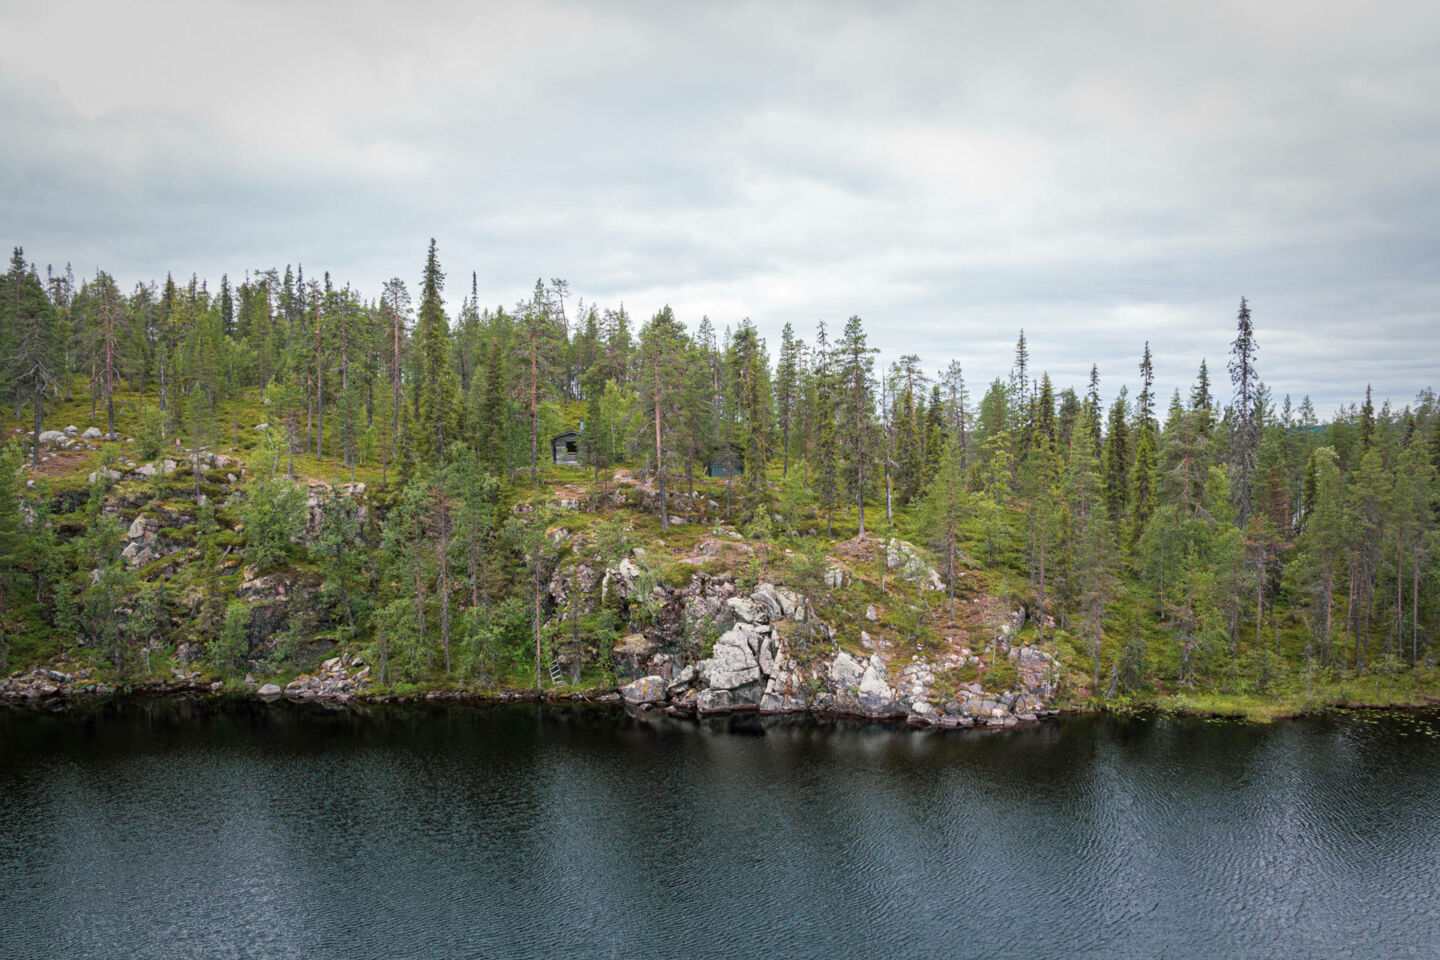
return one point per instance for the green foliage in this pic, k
(227, 653)
(150, 432)
(273, 515)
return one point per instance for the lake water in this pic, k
(253, 830)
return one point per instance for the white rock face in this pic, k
(845, 671)
(874, 685)
(137, 529)
(733, 662)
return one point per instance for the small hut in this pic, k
(568, 449)
(728, 461)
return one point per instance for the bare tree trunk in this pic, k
(535, 578)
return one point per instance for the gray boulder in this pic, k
(845, 672)
(713, 701)
(748, 611)
(92, 433)
(732, 663)
(269, 690)
(645, 690)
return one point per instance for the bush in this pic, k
(273, 518)
(228, 652)
(1001, 675)
(150, 435)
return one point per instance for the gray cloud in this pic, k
(950, 172)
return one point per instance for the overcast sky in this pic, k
(1099, 174)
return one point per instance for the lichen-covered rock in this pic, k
(645, 690)
(732, 663)
(713, 701)
(748, 611)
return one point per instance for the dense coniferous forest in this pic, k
(1220, 540)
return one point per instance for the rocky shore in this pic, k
(772, 655)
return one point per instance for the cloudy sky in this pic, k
(1098, 174)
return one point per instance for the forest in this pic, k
(393, 463)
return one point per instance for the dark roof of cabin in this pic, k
(562, 436)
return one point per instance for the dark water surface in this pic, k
(173, 830)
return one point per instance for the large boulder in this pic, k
(768, 597)
(713, 701)
(733, 663)
(875, 696)
(748, 611)
(845, 672)
(645, 690)
(51, 437)
(92, 433)
(906, 558)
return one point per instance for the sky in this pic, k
(1097, 174)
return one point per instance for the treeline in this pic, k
(1225, 516)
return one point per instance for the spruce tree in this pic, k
(1245, 433)
(33, 365)
(786, 391)
(437, 384)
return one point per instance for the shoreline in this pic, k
(1232, 707)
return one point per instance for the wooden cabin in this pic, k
(728, 461)
(568, 449)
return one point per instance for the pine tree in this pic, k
(537, 337)
(827, 441)
(662, 345)
(957, 400)
(856, 376)
(945, 509)
(395, 311)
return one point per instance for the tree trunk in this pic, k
(660, 451)
(35, 433)
(445, 583)
(536, 622)
(534, 395)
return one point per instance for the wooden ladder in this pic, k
(555, 675)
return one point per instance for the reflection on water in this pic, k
(164, 829)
